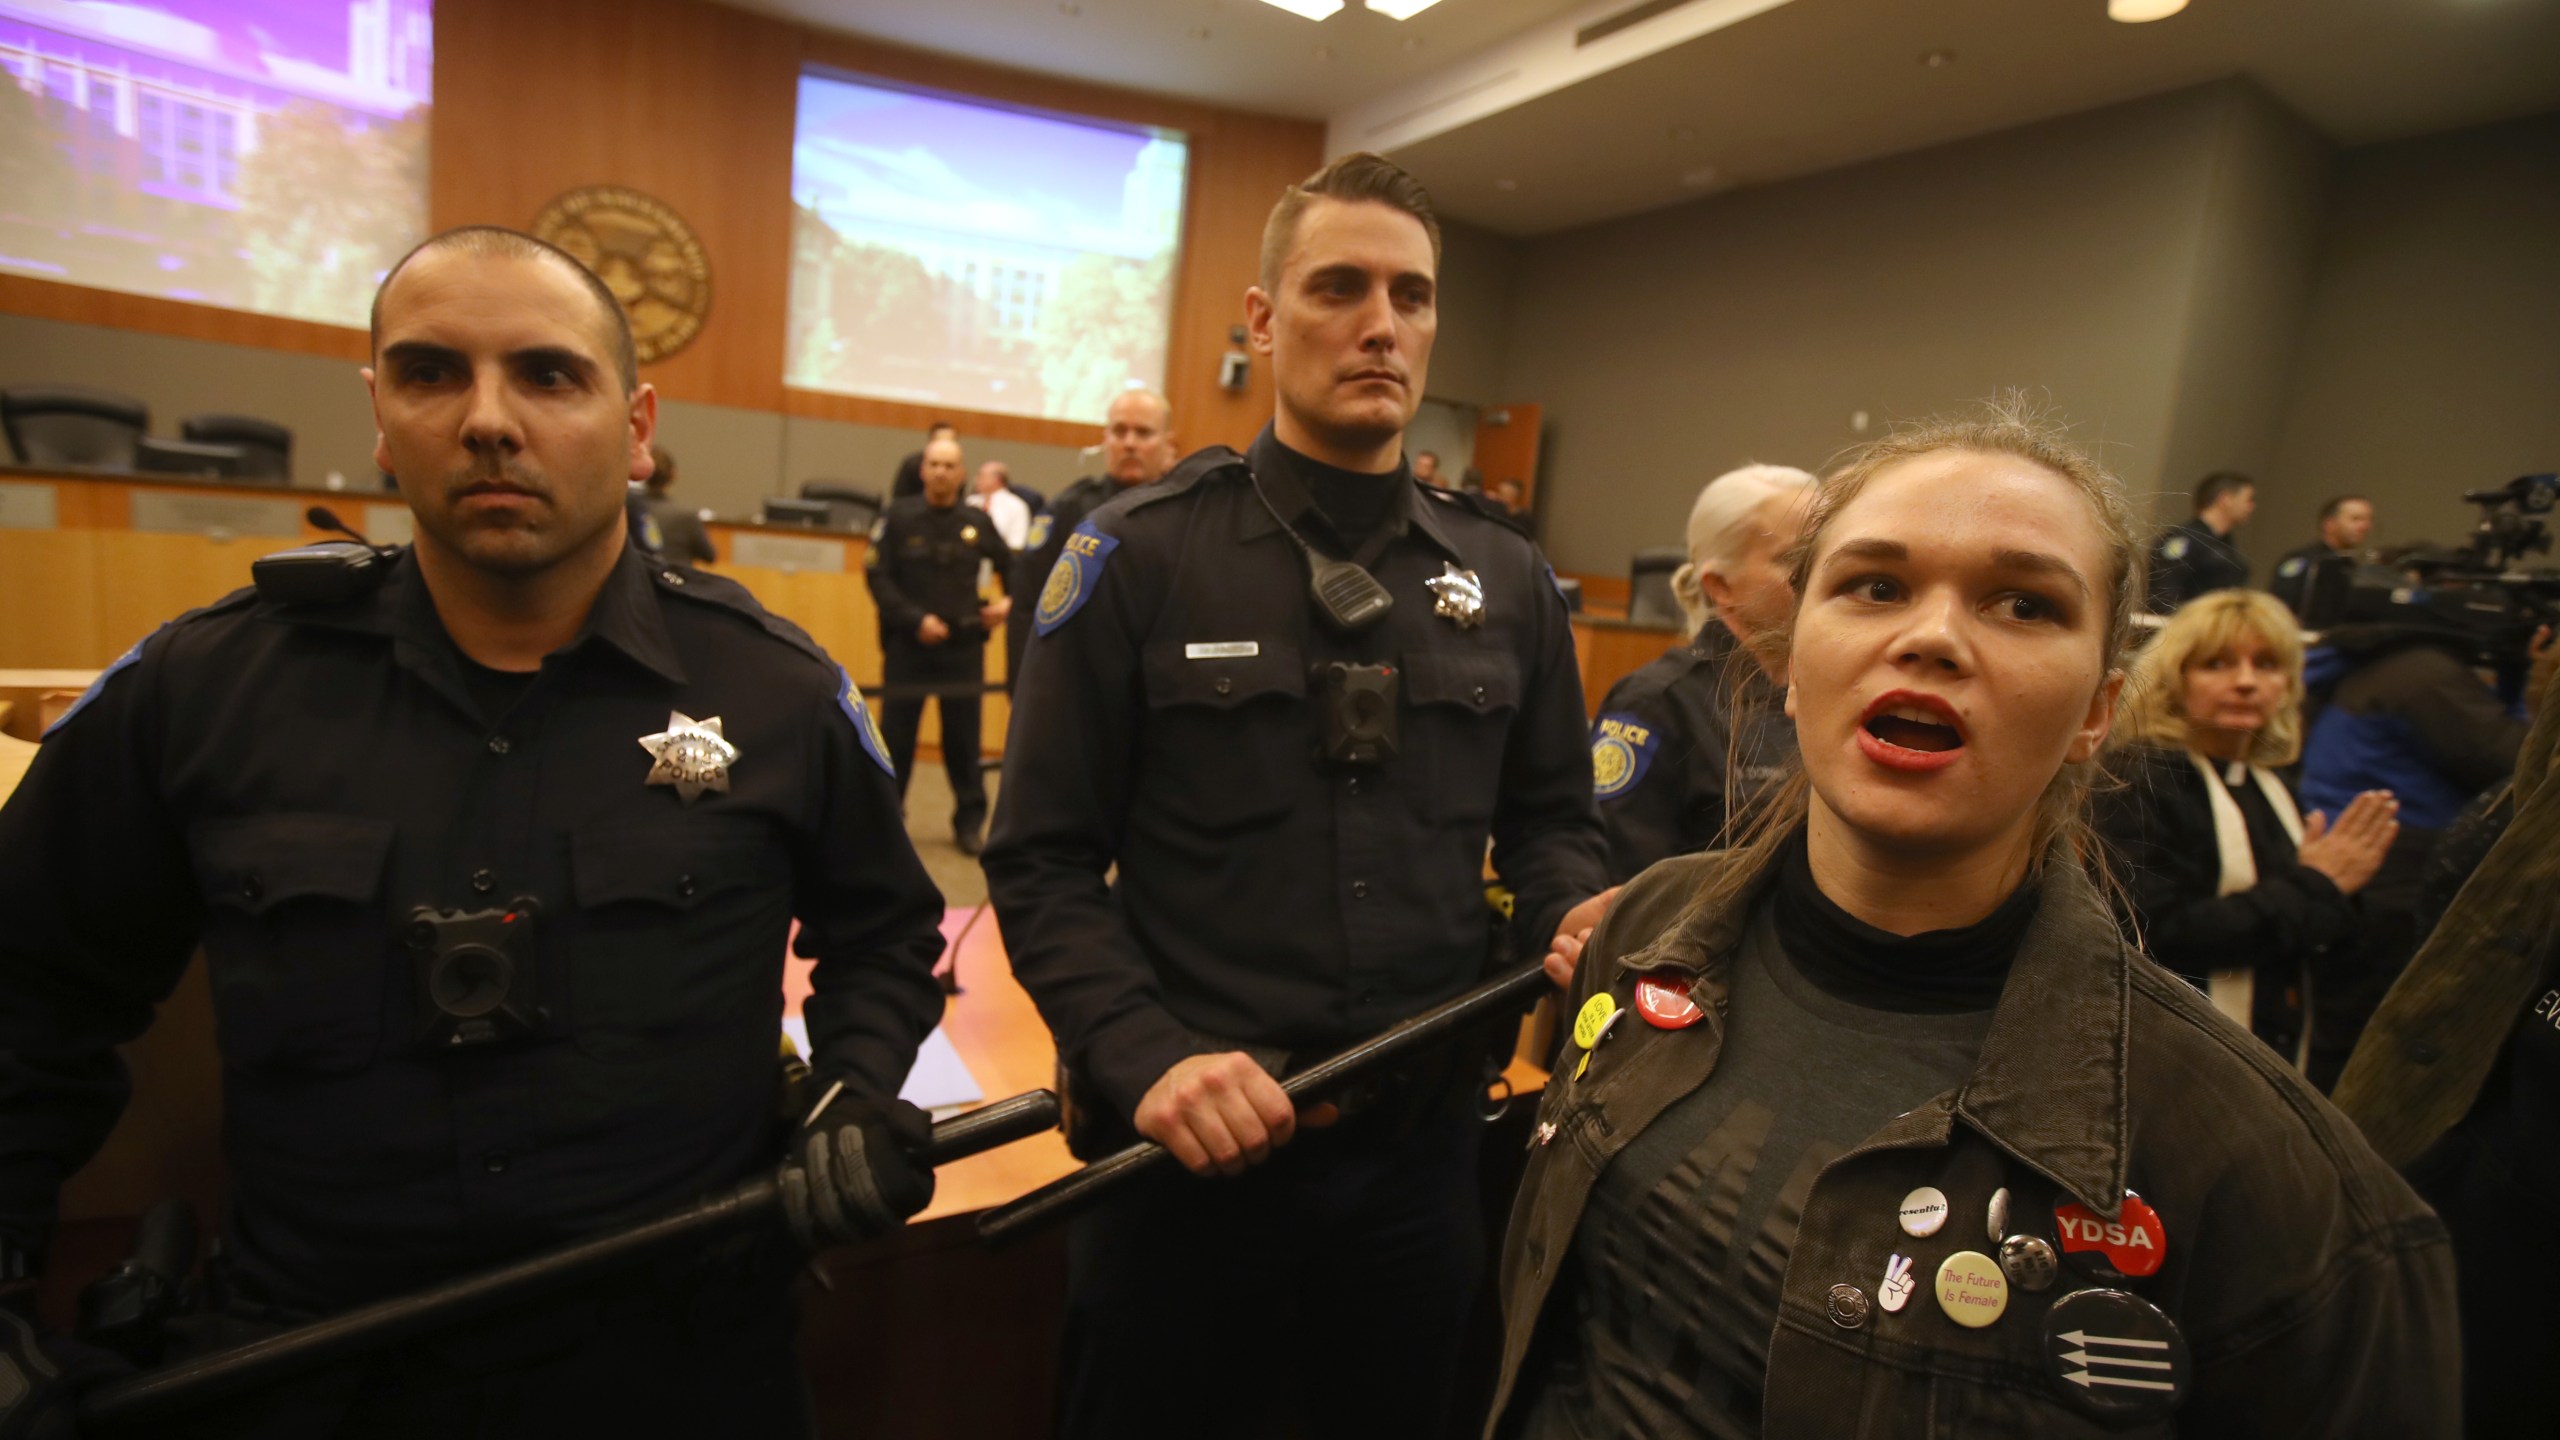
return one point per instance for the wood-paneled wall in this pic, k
(693, 103)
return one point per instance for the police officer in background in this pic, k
(530, 741)
(2196, 554)
(1137, 448)
(923, 569)
(1682, 747)
(1297, 792)
(2346, 521)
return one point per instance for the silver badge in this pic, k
(1461, 596)
(692, 755)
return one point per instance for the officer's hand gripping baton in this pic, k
(1065, 1197)
(157, 1393)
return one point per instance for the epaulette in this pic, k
(1473, 504)
(723, 593)
(1199, 465)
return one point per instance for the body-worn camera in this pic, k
(476, 978)
(1359, 712)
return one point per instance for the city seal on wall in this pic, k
(645, 254)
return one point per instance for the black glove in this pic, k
(42, 1373)
(856, 1170)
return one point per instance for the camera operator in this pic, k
(492, 850)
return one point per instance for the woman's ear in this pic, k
(2101, 718)
(1717, 589)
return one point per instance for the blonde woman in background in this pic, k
(2226, 881)
(1681, 746)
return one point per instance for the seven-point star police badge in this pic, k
(692, 755)
(1461, 596)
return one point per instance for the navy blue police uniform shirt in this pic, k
(2189, 560)
(1685, 748)
(924, 561)
(285, 784)
(1264, 897)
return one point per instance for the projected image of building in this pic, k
(265, 155)
(963, 255)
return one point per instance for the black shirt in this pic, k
(2300, 567)
(2190, 559)
(924, 561)
(1683, 747)
(1168, 726)
(1049, 530)
(285, 784)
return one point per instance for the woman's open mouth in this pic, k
(1910, 731)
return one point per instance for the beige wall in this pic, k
(1671, 346)
(2430, 358)
(1479, 273)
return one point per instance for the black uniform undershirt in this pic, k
(495, 692)
(1934, 971)
(1353, 503)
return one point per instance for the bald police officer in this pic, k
(1298, 795)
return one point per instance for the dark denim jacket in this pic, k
(2313, 1287)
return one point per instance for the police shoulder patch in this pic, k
(1072, 579)
(1038, 535)
(2292, 567)
(2174, 548)
(121, 664)
(849, 700)
(1622, 749)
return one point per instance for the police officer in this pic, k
(493, 863)
(2346, 521)
(1682, 746)
(1297, 791)
(2196, 554)
(923, 568)
(1137, 448)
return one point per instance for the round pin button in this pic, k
(1848, 1306)
(1924, 1211)
(2029, 1262)
(2115, 1356)
(1971, 1289)
(2126, 1248)
(1663, 1000)
(1592, 1019)
(1996, 1216)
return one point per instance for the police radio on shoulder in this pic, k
(325, 572)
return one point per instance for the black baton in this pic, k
(1065, 1197)
(156, 1393)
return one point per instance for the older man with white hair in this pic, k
(1684, 746)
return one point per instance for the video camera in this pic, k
(2480, 593)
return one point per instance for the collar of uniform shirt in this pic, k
(1279, 466)
(625, 615)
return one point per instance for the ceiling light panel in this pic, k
(2136, 12)
(1311, 9)
(1401, 9)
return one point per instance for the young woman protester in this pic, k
(1877, 1126)
(2228, 883)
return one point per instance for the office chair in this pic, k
(266, 447)
(67, 425)
(153, 455)
(1649, 597)
(848, 507)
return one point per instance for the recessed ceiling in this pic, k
(1771, 88)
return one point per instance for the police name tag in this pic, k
(1223, 650)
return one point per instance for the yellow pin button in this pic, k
(1593, 1020)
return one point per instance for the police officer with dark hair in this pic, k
(923, 568)
(2346, 521)
(1290, 695)
(493, 849)
(2196, 554)
(1137, 449)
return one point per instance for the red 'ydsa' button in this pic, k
(2132, 1246)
